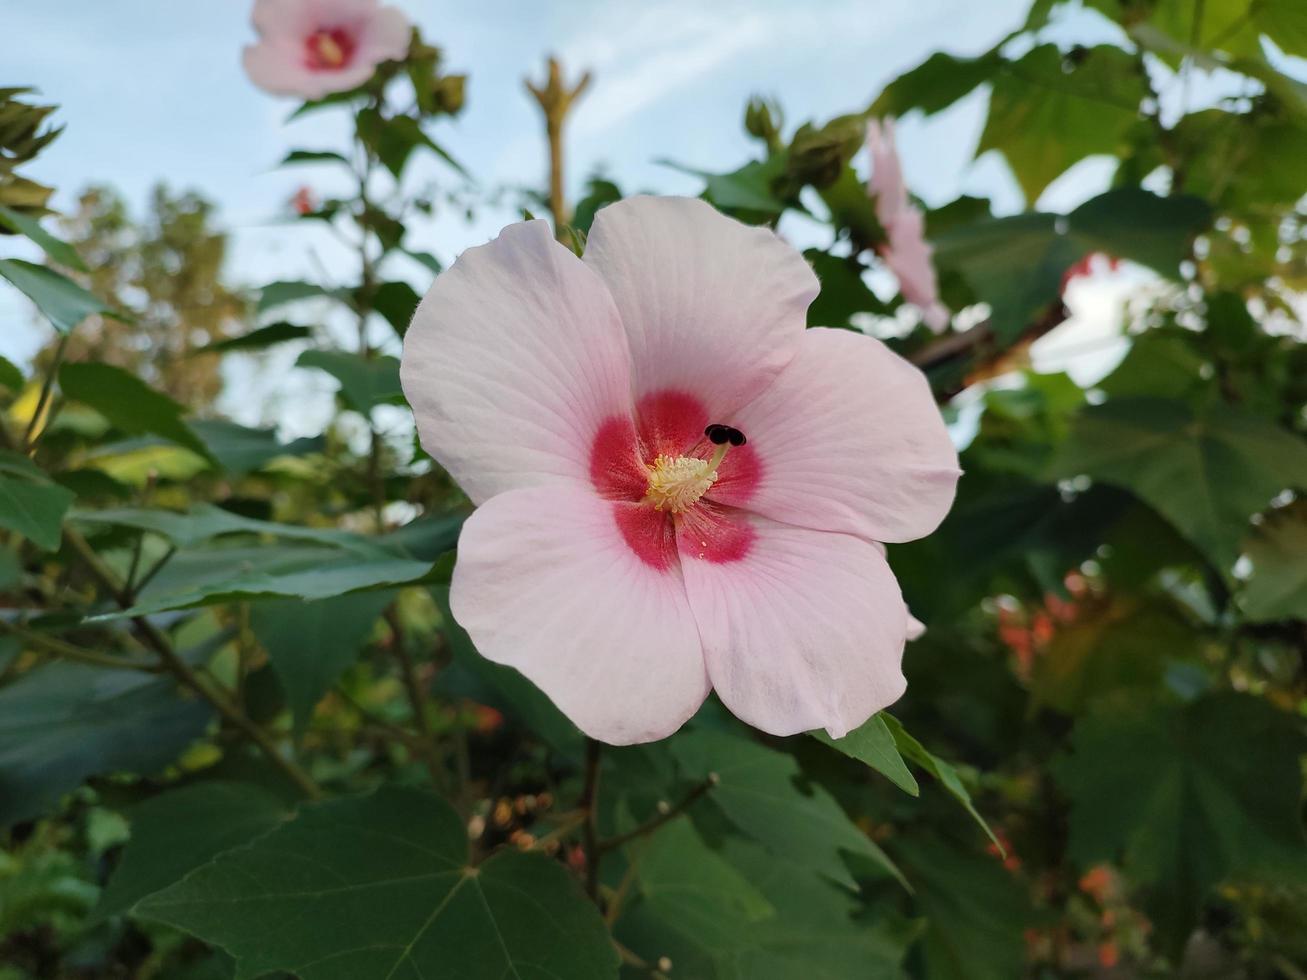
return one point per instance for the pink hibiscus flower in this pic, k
(680, 487)
(906, 251)
(311, 48)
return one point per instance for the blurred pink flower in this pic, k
(906, 252)
(303, 202)
(312, 48)
(680, 487)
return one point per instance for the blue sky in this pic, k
(153, 89)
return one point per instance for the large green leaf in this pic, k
(1277, 588)
(35, 509)
(1187, 796)
(758, 791)
(64, 303)
(63, 722)
(311, 643)
(738, 912)
(1207, 473)
(379, 887)
(179, 830)
(364, 384)
(694, 889)
(129, 403)
(1049, 110)
(975, 910)
(873, 743)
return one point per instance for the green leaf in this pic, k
(1130, 223)
(240, 450)
(394, 140)
(280, 293)
(975, 910)
(34, 509)
(1206, 473)
(63, 722)
(689, 885)
(179, 830)
(746, 190)
(129, 403)
(364, 384)
(873, 743)
(1049, 110)
(260, 339)
(379, 887)
(10, 376)
(311, 643)
(758, 792)
(738, 912)
(935, 84)
(219, 575)
(426, 259)
(1016, 264)
(843, 294)
(941, 770)
(312, 156)
(396, 301)
(25, 224)
(64, 303)
(1162, 363)
(1277, 588)
(1188, 796)
(205, 521)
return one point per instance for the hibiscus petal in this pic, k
(805, 631)
(514, 360)
(546, 583)
(386, 36)
(848, 438)
(713, 307)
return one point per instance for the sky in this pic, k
(153, 90)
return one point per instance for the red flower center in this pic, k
(669, 502)
(328, 49)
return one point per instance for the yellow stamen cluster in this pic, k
(328, 49)
(677, 482)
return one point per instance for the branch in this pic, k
(58, 648)
(666, 813)
(153, 638)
